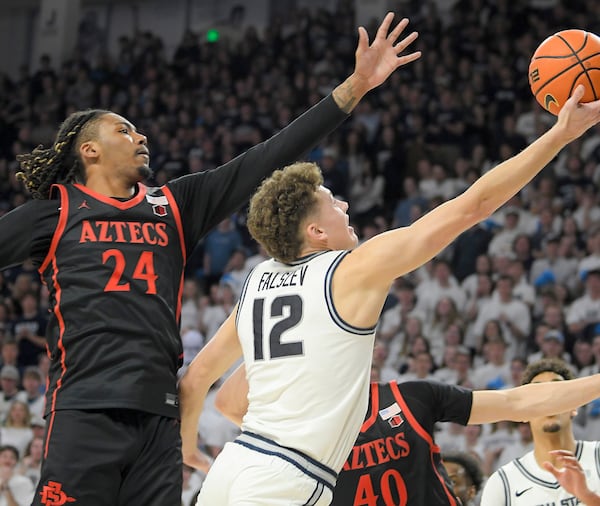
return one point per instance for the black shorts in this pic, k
(114, 457)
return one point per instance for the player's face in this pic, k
(551, 424)
(333, 220)
(123, 150)
(462, 488)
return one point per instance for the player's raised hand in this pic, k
(569, 474)
(576, 117)
(376, 61)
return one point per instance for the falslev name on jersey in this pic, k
(270, 280)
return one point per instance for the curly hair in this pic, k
(469, 463)
(280, 206)
(59, 163)
(554, 365)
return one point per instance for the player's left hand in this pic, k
(570, 476)
(375, 62)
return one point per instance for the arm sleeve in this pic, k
(26, 232)
(493, 493)
(439, 401)
(452, 403)
(206, 198)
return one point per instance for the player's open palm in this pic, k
(375, 62)
(570, 476)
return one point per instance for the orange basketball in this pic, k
(561, 63)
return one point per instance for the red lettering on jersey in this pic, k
(161, 232)
(135, 229)
(147, 230)
(391, 448)
(392, 480)
(368, 451)
(356, 464)
(402, 444)
(103, 237)
(87, 232)
(119, 227)
(365, 493)
(380, 451)
(124, 231)
(377, 452)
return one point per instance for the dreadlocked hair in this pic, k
(59, 163)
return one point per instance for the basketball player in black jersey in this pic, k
(112, 254)
(395, 460)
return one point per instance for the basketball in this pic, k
(561, 63)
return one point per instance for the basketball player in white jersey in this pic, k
(305, 325)
(559, 470)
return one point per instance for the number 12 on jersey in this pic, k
(286, 304)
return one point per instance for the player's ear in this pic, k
(314, 232)
(89, 150)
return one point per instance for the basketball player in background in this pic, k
(466, 475)
(559, 470)
(112, 253)
(395, 457)
(305, 326)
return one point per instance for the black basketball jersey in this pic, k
(114, 269)
(395, 461)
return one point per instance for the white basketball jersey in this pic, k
(308, 370)
(522, 482)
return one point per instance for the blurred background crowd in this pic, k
(522, 285)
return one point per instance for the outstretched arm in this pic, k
(523, 403)
(211, 196)
(376, 263)
(208, 366)
(571, 477)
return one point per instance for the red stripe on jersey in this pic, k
(179, 223)
(60, 228)
(115, 202)
(425, 435)
(61, 326)
(51, 257)
(374, 408)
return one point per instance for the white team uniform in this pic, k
(522, 482)
(308, 373)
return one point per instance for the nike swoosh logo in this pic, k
(519, 493)
(548, 101)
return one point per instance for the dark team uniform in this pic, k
(114, 269)
(395, 461)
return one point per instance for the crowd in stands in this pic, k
(521, 285)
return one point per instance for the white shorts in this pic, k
(245, 475)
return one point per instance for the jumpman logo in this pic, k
(83, 205)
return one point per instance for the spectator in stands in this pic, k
(10, 380)
(16, 429)
(584, 312)
(31, 463)
(29, 330)
(32, 393)
(15, 489)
